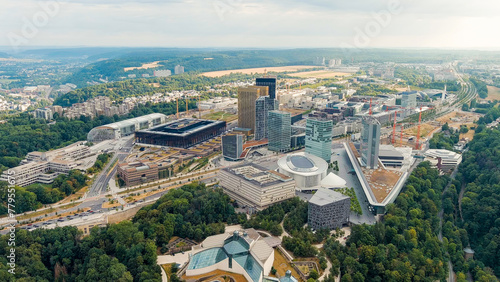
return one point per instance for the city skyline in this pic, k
(251, 24)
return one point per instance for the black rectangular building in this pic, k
(183, 133)
(269, 82)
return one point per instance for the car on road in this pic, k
(60, 219)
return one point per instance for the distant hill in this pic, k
(202, 60)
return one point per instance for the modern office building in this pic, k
(182, 133)
(244, 253)
(279, 131)
(307, 170)
(370, 142)
(246, 105)
(443, 159)
(137, 173)
(269, 82)
(232, 146)
(390, 156)
(254, 186)
(125, 127)
(179, 69)
(319, 138)
(328, 209)
(44, 113)
(44, 167)
(263, 105)
(409, 99)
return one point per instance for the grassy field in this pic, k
(320, 74)
(256, 70)
(143, 67)
(493, 93)
(221, 116)
(425, 130)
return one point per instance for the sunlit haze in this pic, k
(252, 23)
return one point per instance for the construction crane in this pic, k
(401, 138)
(177, 99)
(199, 111)
(417, 145)
(394, 128)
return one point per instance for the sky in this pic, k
(454, 24)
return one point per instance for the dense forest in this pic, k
(193, 211)
(481, 87)
(445, 139)
(405, 246)
(480, 177)
(117, 91)
(421, 78)
(36, 195)
(119, 252)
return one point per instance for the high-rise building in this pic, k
(279, 131)
(409, 99)
(269, 82)
(370, 142)
(263, 105)
(246, 105)
(178, 69)
(232, 146)
(319, 138)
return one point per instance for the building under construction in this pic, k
(182, 133)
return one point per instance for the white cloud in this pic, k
(254, 23)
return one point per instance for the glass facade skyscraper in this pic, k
(246, 105)
(370, 142)
(263, 105)
(232, 146)
(319, 138)
(279, 131)
(269, 82)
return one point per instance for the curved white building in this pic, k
(307, 170)
(125, 127)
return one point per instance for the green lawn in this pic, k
(221, 116)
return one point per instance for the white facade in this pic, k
(254, 186)
(125, 128)
(307, 170)
(45, 167)
(444, 159)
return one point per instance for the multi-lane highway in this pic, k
(100, 184)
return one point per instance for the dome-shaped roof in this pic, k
(301, 163)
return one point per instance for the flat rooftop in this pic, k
(184, 127)
(326, 196)
(257, 174)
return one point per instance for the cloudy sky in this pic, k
(462, 24)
